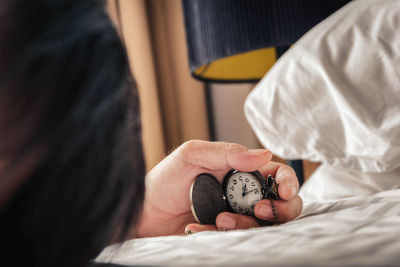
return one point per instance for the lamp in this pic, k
(234, 40)
(239, 40)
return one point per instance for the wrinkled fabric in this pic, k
(334, 97)
(361, 230)
(334, 183)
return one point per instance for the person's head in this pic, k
(71, 163)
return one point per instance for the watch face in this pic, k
(242, 191)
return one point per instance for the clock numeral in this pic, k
(253, 184)
(240, 209)
(256, 191)
(234, 204)
(230, 196)
(232, 188)
(234, 181)
(240, 178)
(247, 180)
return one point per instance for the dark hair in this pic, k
(69, 105)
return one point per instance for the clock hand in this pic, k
(247, 192)
(244, 190)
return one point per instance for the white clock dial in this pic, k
(243, 191)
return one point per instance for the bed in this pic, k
(362, 230)
(334, 97)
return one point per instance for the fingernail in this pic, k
(292, 191)
(227, 222)
(189, 232)
(265, 212)
(259, 152)
(190, 229)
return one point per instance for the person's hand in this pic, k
(166, 209)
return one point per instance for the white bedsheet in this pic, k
(363, 230)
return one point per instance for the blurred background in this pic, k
(176, 107)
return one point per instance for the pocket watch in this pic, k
(239, 193)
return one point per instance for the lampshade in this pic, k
(234, 40)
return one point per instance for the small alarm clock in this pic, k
(239, 193)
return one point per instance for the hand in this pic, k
(288, 208)
(166, 209)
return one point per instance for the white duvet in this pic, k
(363, 230)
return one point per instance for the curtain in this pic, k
(173, 108)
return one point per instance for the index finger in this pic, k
(285, 176)
(217, 156)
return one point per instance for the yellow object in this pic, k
(249, 66)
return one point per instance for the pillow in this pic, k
(334, 96)
(333, 183)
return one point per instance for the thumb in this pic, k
(222, 156)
